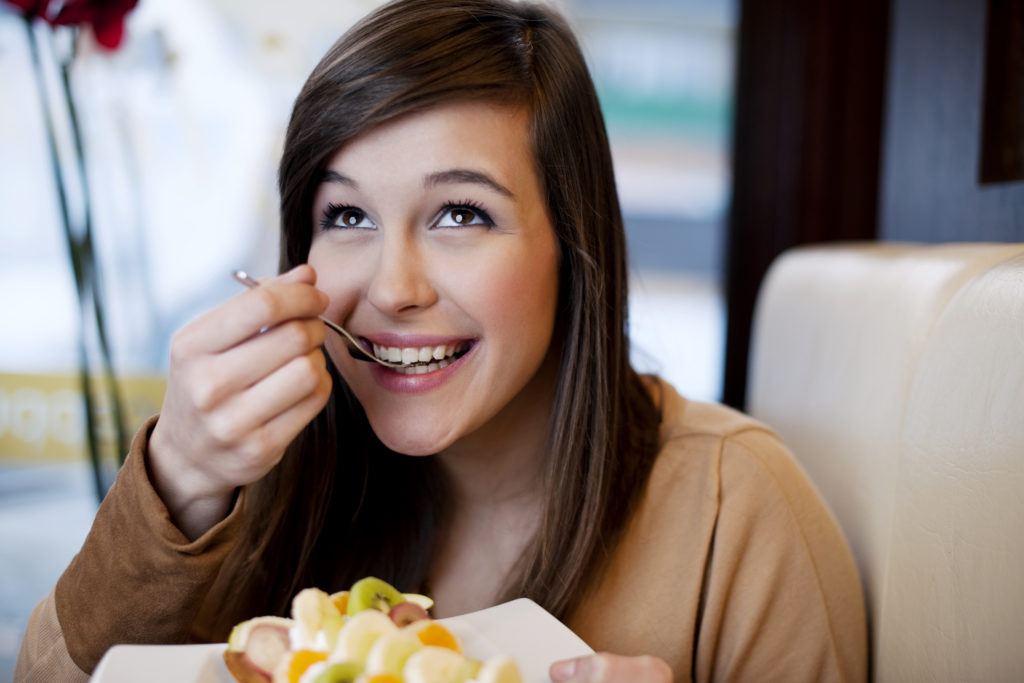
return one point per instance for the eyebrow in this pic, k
(455, 176)
(330, 176)
(452, 176)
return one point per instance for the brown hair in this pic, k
(340, 507)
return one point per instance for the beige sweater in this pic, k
(732, 568)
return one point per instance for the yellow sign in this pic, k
(43, 416)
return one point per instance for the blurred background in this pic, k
(180, 131)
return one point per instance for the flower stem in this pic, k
(77, 267)
(92, 271)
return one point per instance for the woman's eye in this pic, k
(458, 216)
(345, 217)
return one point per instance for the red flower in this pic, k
(106, 17)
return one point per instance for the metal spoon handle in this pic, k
(354, 348)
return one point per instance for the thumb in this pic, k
(577, 669)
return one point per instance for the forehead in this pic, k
(472, 133)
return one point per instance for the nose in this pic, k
(401, 282)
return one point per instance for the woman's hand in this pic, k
(244, 379)
(608, 668)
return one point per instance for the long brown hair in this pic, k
(340, 505)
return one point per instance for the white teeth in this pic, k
(422, 369)
(418, 361)
(410, 355)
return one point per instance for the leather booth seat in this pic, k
(895, 372)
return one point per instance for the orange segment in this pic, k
(384, 678)
(340, 600)
(437, 635)
(299, 661)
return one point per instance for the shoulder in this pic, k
(743, 469)
(765, 522)
(771, 551)
(762, 583)
(727, 446)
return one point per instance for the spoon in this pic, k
(355, 349)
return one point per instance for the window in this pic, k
(663, 70)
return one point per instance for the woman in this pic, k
(447, 195)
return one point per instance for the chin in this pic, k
(401, 440)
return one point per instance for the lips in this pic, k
(418, 375)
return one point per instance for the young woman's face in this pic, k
(432, 238)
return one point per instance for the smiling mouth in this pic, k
(420, 360)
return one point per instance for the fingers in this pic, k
(285, 297)
(198, 457)
(279, 431)
(608, 668)
(241, 366)
(278, 393)
(257, 425)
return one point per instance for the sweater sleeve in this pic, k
(44, 656)
(782, 598)
(136, 579)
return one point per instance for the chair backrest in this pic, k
(895, 372)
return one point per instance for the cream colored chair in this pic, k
(896, 374)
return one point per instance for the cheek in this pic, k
(521, 296)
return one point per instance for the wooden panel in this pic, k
(806, 147)
(1002, 135)
(931, 190)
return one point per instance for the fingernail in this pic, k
(564, 670)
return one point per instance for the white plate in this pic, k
(520, 629)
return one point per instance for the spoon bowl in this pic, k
(355, 349)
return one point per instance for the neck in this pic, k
(503, 467)
(496, 498)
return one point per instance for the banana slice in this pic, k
(421, 600)
(389, 654)
(358, 635)
(437, 665)
(499, 670)
(311, 608)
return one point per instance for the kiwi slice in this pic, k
(339, 672)
(373, 593)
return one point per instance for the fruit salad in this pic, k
(371, 633)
